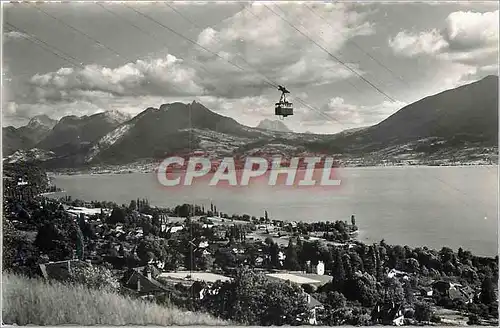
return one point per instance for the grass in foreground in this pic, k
(33, 301)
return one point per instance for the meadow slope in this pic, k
(33, 301)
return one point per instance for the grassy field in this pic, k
(33, 301)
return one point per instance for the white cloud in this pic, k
(14, 35)
(412, 44)
(340, 115)
(259, 45)
(161, 76)
(471, 30)
(275, 49)
(490, 69)
(269, 44)
(87, 104)
(467, 36)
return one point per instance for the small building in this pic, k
(295, 278)
(320, 268)
(314, 306)
(393, 273)
(389, 313)
(144, 284)
(199, 284)
(426, 291)
(61, 270)
(441, 288)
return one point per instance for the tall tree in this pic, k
(274, 255)
(487, 295)
(80, 244)
(291, 260)
(370, 262)
(346, 259)
(339, 275)
(155, 221)
(117, 216)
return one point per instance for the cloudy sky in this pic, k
(346, 64)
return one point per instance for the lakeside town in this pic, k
(237, 267)
(148, 167)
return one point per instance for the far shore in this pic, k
(119, 171)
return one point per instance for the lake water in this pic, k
(415, 206)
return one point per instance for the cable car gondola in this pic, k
(283, 108)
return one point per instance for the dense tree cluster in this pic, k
(253, 299)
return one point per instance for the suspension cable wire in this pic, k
(188, 39)
(149, 34)
(360, 48)
(440, 180)
(333, 56)
(319, 112)
(273, 84)
(195, 25)
(120, 17)
(47, 47)
(267, 79)
(294, 44)
(176, 33)
(82, 33)
(305, 104)
(99, 43)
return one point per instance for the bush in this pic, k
(435, 318)
(422, 312)
(473, 320)
(95, 277)
(308, 288)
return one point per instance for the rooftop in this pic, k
(293, 278)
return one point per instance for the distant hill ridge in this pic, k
(273, 125)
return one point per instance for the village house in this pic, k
(393, 273)
(301, 278)
(314, 307)
(199, 283)
(388, 314)
(141, 281)
(318, 269)
(61, 270)
(426, 292)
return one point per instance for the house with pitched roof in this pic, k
(141, 281)
(61, 270)
(389, 313)
(314, 307)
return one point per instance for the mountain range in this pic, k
(452, 124)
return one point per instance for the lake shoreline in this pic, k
(418, 206)
(132, 171)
